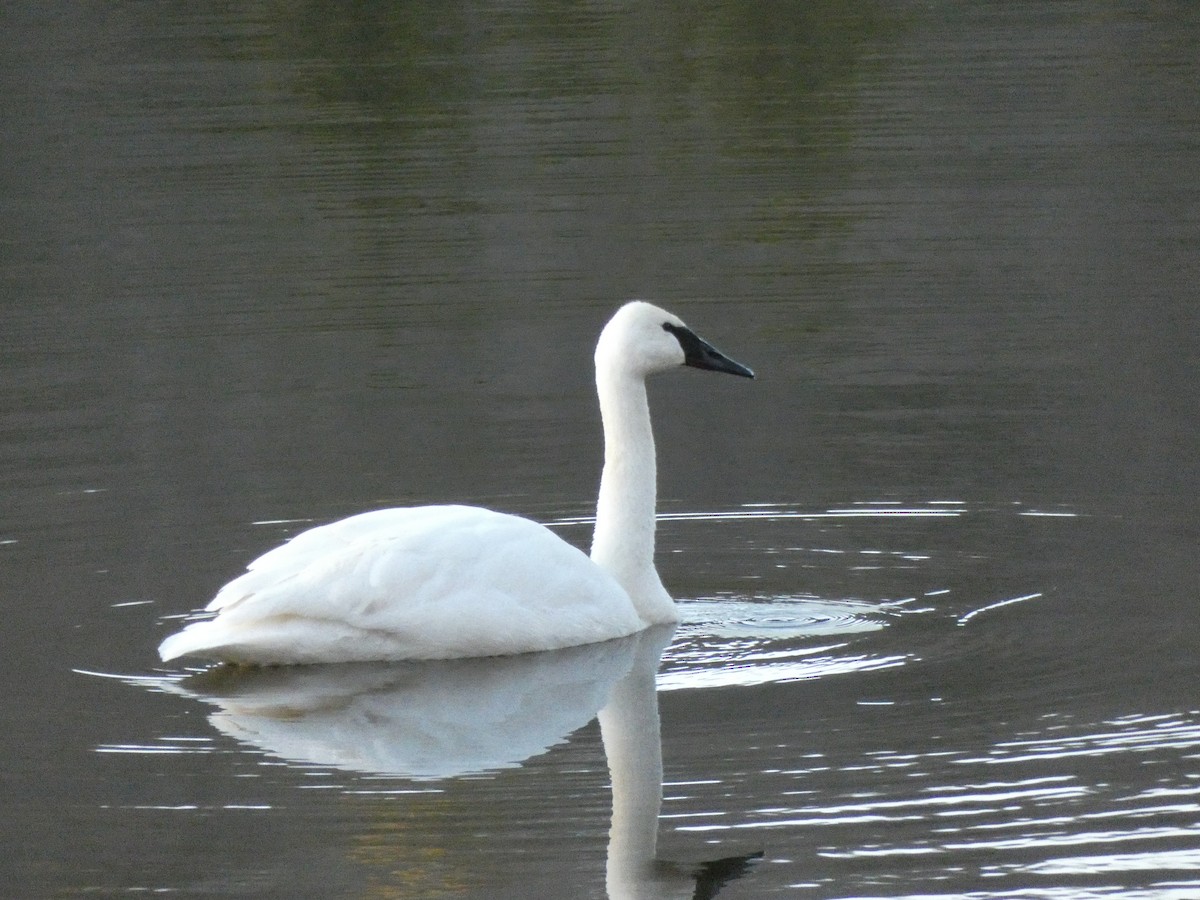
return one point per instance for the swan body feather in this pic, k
(427, 582)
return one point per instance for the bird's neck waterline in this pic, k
(623, 542)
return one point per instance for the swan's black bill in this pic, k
(700, 354)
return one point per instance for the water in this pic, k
(259, 270)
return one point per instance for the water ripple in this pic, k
(751, 640)
(1082, 807)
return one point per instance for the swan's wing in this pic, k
(421, 583)
(326, 541)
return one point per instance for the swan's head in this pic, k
(641, 339)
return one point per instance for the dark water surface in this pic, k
(264, 266)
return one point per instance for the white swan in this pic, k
(436, 582)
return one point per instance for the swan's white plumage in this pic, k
(419, 583)
(436, 582)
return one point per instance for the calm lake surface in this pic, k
(266, 266)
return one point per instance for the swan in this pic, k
(441, 582)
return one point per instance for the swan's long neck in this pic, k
(623, 542)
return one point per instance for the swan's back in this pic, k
(416, 583)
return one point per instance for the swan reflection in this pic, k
(422, 720)
(630, 729)
(433, 720)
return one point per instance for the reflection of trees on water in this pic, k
(462, 140)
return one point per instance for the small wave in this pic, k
(744, 641)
